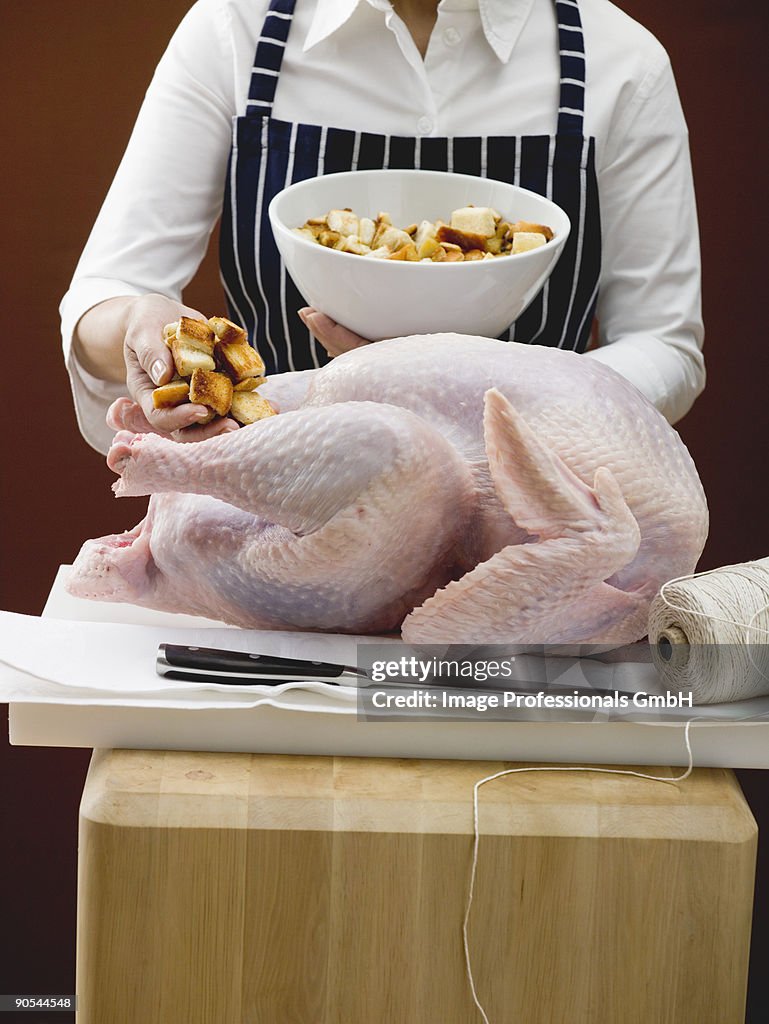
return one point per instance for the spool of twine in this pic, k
(709, 633)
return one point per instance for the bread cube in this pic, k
(393, 238)
(169, 395)
(188, 358)
(425, 230)
(248, 407)
(226, 331)
(463, 239)
(249, 384)
(406, 252)
(366, 230)
(474, 220)
(351, 243)
(523, 241)
(169, 332)
(446, 254)
(193, 346)
(537, 229)
(239, 361)
(211, 389)
(427, 248)
(196, 332)
(343, 221)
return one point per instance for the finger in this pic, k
(127, 415)
(124, 414)
(164, 420)
(142, 416)
(140, 384)
(152, 354)
(335, 338)
(202, 432)
(179, 417)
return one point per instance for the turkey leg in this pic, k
(312, 534)
(298, 469)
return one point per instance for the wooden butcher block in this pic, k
(276, 889)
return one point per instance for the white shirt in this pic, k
(491, 68)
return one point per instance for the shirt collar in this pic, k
(502, 20)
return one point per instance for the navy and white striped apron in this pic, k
(267, 155)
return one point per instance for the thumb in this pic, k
(335, 338)
(152, 354)
(161, 371)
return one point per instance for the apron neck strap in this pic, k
(571, 52)
(269, 56)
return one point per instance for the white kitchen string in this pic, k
(704, 634)
(548, 768)
(701, 642)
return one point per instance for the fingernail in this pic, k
(157, 371)
(202, 414)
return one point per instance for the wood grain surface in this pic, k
(228, 888)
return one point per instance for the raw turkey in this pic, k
(458, 489)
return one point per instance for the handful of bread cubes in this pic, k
(215, 367)
(473, 233)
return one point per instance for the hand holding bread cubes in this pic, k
(215, 367)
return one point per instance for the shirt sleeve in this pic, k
(649, 312)
(153, 228)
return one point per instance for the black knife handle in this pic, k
(211, 659)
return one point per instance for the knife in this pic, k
(235, 668)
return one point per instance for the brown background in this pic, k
(74, 75)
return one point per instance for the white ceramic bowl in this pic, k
(389, 298)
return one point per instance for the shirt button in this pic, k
(451, 37)
(424, 126)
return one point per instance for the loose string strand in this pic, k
(477, 835)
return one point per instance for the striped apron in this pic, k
(267, 155)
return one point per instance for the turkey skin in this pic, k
(456, 489)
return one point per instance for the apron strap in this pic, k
(571, 51)
(571, 46)
(269, 56)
